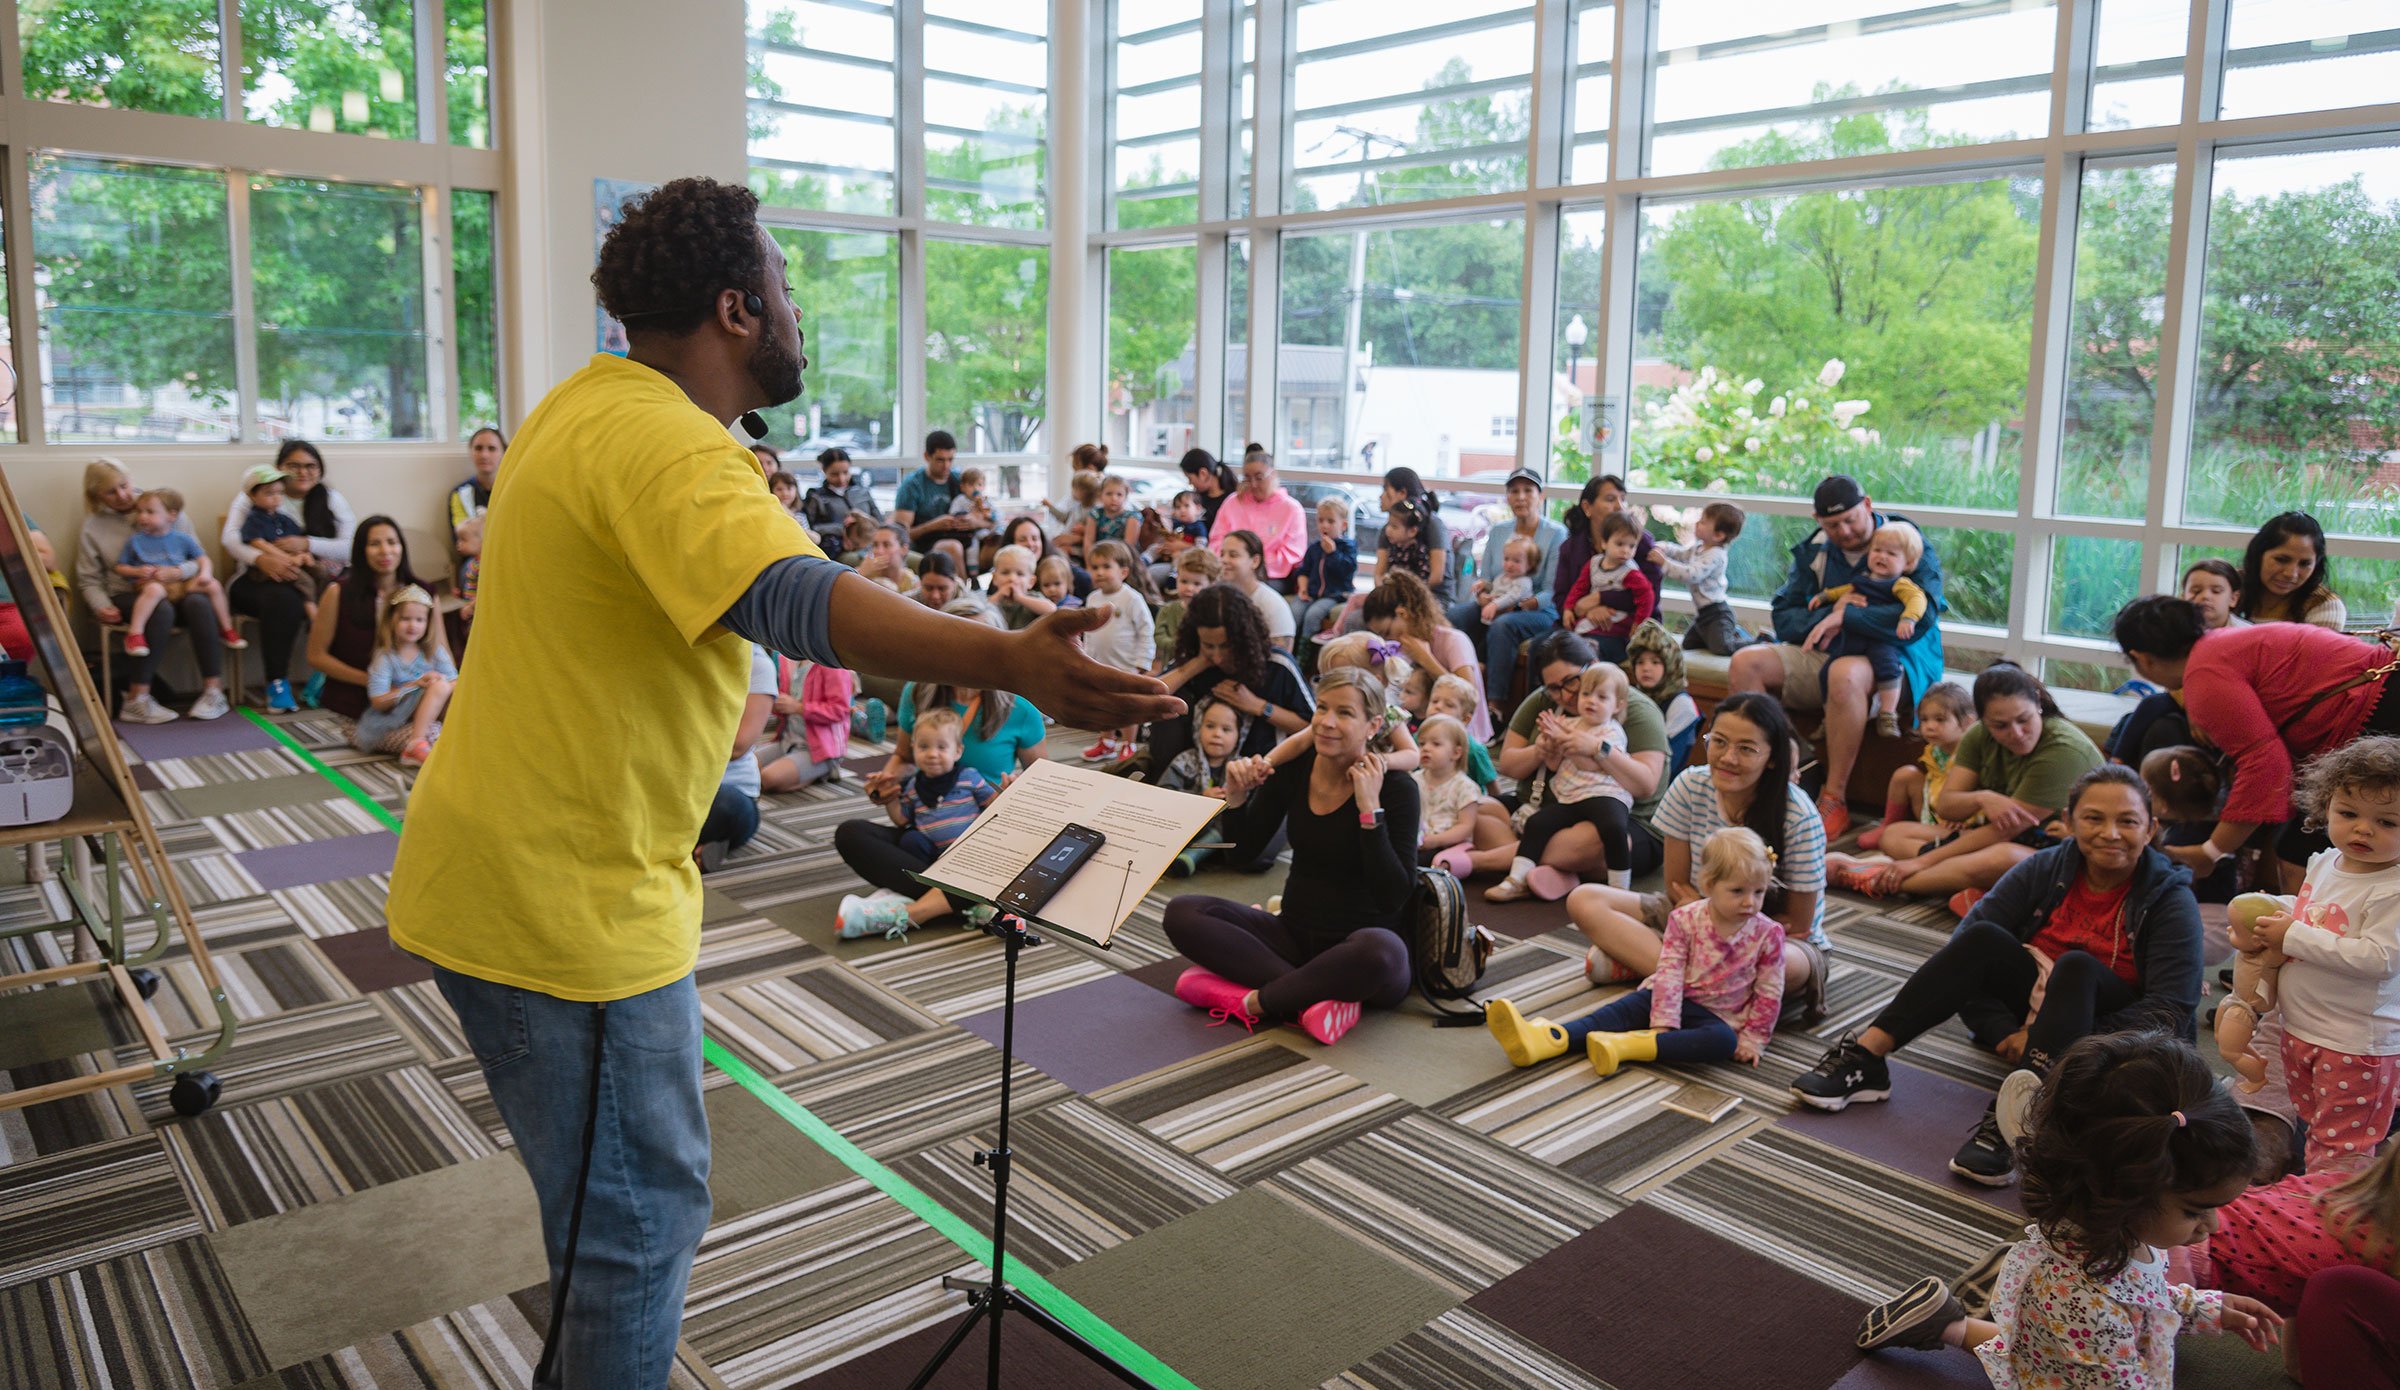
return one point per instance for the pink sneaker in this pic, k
(1550, 884)
(1203, 989)
(1103, 751)
(1328, 1019)
(1455, 861)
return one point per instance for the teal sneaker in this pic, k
(314, 687)
(878, 721)
(279, 697)
(859, 918)
(979, 915)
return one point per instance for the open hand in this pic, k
(1047, 665)
(1746, 1051)
(1820, 637)
(2252, 1321)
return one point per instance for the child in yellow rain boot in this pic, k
(1715, 995)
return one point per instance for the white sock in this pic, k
(1620, 878)
(1519, 868)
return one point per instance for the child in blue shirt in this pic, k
(270, 527)
(933, 809)
(168, 564)
(1327, 572)
(408, 680)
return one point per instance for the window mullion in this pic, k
(24, 298)
(444, 400)
(250, 409)
(229, 30)
(2187, 260)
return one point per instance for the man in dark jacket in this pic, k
(2097, 935)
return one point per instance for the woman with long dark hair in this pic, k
(341, 642)
(1745, 780)
(2286, 578)
(1222, 649)
(324, 515)
(1403, 485)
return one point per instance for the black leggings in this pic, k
(1605, 814)
(1985, 972)
(198, 617)
(874, 852)
(1251, 946)
(281, 610)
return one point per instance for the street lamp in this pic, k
(1577, 336)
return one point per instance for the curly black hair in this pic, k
(1224, 606)
(678, 248)
(2126, 1121)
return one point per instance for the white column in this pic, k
(523, 212)
(1070, 396)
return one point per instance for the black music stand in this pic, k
(996, 1298)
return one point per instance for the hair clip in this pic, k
(1380, 651)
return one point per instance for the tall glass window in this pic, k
(1400, 349)
(2298, 373)
(986, 147)
(166, 57)
(346, 66)
(2112, 364)
(1740, 85)
(1394, 104)
(135, 267)
(847, 285)
(823, 100)
(987, 316)
(338, 276)
(2286, 56)
(2137, 63)
(1152, 312)
(1156, 113)
(472, 270)
(467, 68)
(1575, 424)
(1592, 90)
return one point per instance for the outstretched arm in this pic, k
(807, 606)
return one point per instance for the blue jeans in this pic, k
(1499, 643)
(1704, 1037)
(647, 1204)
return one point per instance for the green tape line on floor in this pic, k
(348, 788)
(1086, 1324)
(1119, 1348)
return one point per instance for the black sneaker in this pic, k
(1846, 1073)
(1915, 1318)
(1986, 1156)
(1974, 1287)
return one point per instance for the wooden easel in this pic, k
(108, 817)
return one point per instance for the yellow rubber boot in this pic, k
(1610, 1051)
(1526, 1041)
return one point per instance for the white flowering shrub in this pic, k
(1719, 434)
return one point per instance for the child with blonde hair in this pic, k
(1115, 520)
(1054, 582)
(1944, 714)
(1895, 550)
(1013, 591)
(934, 807)
(1328, 569)
(1085, 489)
(1457, 697)
(1383, 661)
(1446, 795)
(169, 564)
(2338, 981)
(1579, 792)
(408, 680)
(1715, 994)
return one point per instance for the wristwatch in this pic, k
(1266, 709)
(1371, 820)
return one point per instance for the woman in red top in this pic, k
(2270, 697)
(2098, 935)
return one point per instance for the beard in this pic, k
(776, 372)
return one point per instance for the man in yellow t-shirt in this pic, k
(632, 556)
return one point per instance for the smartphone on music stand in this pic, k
(1032, 889)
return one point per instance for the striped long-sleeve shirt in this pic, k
(944, 817)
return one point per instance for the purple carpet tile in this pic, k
(321, 861)
(1096, 1035)
(191, 738)
(1915, 1131)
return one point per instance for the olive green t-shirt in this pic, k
(2039, 778)
(1645, 732)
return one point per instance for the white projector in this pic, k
(37, 774)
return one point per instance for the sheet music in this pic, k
(1145, 826)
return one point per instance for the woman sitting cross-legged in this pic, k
(1717, 990)
(2099, 934)
(1353, 828)
(2013, 769)
(1745, 780)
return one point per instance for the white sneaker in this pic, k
(2015, 1108)
(212, 704)
(886, 895)
(142, 709)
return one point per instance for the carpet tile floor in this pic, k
(1401, 1212)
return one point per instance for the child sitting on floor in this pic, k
(1012, 588)
(1655, 664)
(1943, 718)
(2132, 1150)
(936, 806)
(470, 566)
(1201, 769)
(1054, 580)
(1581, 792)
(408, 680)
(1891, 554)
(1446, 795)
(1195, 569)
(1416, 696)
(1716, 992)
(1457, 697)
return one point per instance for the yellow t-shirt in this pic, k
(549, 841)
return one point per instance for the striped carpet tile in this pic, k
(490, 1346)
(292, 1052)
(315, 728)
(240, 923)
(749, 948)
(260, 983)
(1253, 1109)
(158, 1319)
(206, 878)
(424, 1019)
(1609, 1131)
(252, 765)
(792, 1289)
(797, 877)
(1084, 1180)
(336, 907)
(292, 825)
(57, 1126)
(1463, 1350)
(463, 1078)
(1462, 1210)
(956, 973)
(246, 1161)
(1857, 1226)
(811, 1015)
(89, 1204)
(907, 1096)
